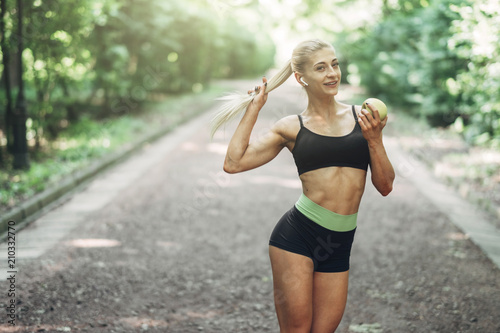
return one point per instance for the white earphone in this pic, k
(304, 82)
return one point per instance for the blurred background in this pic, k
(80, 78)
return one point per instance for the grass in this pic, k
(89, 140)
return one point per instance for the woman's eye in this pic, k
(320, 68)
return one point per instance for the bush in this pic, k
(434, 60)
(475, 39)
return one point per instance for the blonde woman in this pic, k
(333, 145)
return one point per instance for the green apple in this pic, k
(378, 104)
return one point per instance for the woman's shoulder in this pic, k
(287, 126)
(349, 106)
(288, 122)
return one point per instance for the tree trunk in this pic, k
(20, 151)
(7, 80)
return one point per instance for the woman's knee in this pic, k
(295, 315)
(298, 324)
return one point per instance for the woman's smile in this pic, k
(331, 84)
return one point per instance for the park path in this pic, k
(167, 242)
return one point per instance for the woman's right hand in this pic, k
(261, 96)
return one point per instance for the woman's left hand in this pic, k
(381, 168)
(371, 125)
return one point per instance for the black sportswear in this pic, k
(315, 151)
(329, 250)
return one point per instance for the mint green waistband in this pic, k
(324, 217)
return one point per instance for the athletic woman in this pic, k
(333, 145)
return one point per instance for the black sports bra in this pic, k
(315, 151)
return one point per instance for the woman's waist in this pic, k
(338, 198)
(325, 217)
(337, 189)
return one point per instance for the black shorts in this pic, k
(329, 250)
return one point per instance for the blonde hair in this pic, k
(236, 103)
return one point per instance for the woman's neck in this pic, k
(324, 107)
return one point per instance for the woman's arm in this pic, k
(381, 168)
(241, 154)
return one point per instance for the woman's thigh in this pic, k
(293, 289)
(329, 300)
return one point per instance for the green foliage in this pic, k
(254, 54)
(167, 47)
(433, 58)
(475, 39)
(105, 58)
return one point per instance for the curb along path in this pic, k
(45, 201)
(463, 214)
(96, 194)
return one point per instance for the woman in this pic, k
(332, 144)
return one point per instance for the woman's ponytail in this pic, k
(238, 103)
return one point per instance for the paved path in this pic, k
(167, 242)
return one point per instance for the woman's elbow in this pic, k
(230, 167)
(385, 190)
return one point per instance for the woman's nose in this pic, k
(331, 72)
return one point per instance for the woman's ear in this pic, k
(300, 79)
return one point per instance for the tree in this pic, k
(20, 115)
(6, 76)
(104, 58)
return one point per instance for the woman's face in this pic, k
(322, 72)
